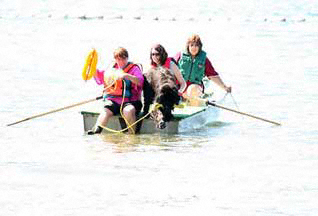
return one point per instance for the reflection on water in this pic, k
(123, 143)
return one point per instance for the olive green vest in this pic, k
(192, 70)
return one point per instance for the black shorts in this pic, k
(115, 107)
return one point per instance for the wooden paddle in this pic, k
(56, 110)
(242, 113)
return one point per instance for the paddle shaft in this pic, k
(243, 113)
(55, 110)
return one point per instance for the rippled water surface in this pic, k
(239, 166)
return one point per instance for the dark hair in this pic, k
(121, 53)
(162, 54)
(194, 39)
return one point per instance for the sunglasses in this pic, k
(155, 54)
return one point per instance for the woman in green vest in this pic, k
(194, 66)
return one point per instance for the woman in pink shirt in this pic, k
(127, 88)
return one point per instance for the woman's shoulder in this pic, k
(171, 60)
(177, 56)
(136, 68)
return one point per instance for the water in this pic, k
(267, 51)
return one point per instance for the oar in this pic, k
(242, 113)
(55, 110)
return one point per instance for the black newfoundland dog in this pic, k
(160, 87)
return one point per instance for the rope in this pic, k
(155, 107)
(129, 126)
(121, 109)
(237, 107)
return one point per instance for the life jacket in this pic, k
(167, 63)
(117, 89)
(192, 70)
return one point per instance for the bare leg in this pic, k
(104, 117)
(101, 122)
(130, 114)
(193, 93)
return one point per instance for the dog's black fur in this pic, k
(160, 87)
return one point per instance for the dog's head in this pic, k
(158, 118)
(167, 98)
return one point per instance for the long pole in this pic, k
(55, 110)
(243, 113)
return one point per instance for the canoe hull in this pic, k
(185, 119)
(116, 123)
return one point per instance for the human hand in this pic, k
(228, 89)
(121, 74)
(183, 96)
(180, 94)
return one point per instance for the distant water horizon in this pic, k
(250, 10)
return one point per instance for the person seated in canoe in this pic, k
(194, 66)
(159, 57)
(121, 91)
(163, 86)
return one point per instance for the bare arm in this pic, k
(179, 77)
(219, 82)
(135, 76)
(132, 78)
